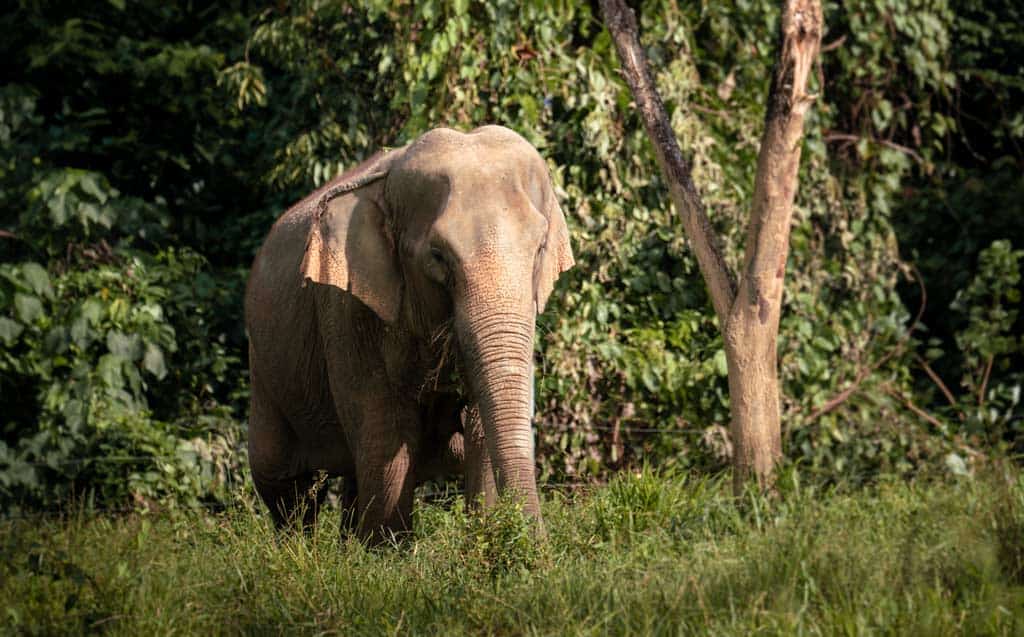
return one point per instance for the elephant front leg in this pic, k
(385, 479)
(480, 487)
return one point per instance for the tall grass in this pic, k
(645, 554)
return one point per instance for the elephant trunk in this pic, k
(499, 360)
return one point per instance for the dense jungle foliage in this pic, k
(148, 146)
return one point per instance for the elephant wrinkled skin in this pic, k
(423, 264)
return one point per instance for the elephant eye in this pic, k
(439, 270)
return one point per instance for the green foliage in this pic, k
(89, 354)
(499, 542)
(990, 346)
(926, 558)
(145, 149)
(990, 304)
(121, 367)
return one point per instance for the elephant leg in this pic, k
(480, 487)
(385, 475)
(292, 500)
(442, 451)
(349, 497)
(285, 486)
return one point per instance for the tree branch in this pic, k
(862, 375)
(834, 44)
(706, 244)
(984, 380)
(909, 404)
(778, 164)
(938, 383)
(847, 137)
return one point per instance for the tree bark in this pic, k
(748, 313)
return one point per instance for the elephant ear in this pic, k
(350, 246)
(556, 257)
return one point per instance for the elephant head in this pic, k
(465, 231)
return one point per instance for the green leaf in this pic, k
(126, 346)
(649, 379)
(153, 361)
(92, 311)
(9, 330)
(29, 308)
(109, 369)
(81, 333)
(720, 363)
(38, 279)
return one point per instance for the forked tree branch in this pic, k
(718, 276)
(778, 162)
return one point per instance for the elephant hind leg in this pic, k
(293, 501)
(286, 486)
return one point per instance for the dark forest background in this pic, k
(146, 148)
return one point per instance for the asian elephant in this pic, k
(424, 264)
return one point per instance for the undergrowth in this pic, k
(645, 554)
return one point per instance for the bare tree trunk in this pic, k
(748, 314)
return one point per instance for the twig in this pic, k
(834, 44)
(935, 422)
(984, 380)
(105, 620)
(938, 382)
(710, 111)
(847, 137)
(844, 395)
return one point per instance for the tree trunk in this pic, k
(753, 401)
(748, 313)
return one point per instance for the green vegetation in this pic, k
(148, 146)
(645, 554)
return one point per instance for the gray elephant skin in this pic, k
(424, 264)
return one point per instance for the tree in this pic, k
(748, 310)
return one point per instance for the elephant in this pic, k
(391, 318)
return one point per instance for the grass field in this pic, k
(645, 554)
